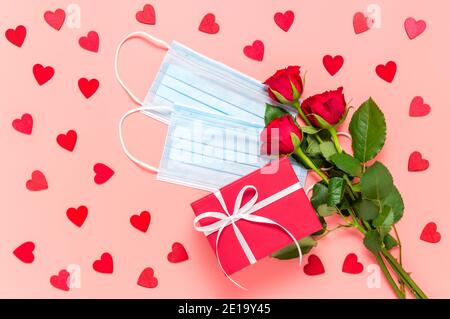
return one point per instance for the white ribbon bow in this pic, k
(245, 212)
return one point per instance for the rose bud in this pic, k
(288, 139)
(286, 86)
(329, 106)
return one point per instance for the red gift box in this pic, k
(271, 207)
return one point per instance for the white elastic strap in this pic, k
(309, 189)
(344, 134)
(130, 156)
(143, 34)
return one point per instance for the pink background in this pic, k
(320, 28)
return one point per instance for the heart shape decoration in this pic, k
(104, 265)
(255, 51)
(61, 281)
(209, 24)
(178, 253)
(68, 140)
(284, 20)
(333, 64)
(414, 28)
(141, 221)
(418, 107)
(147, 278)
(16, 36)
(25, 252)
(146, 15)
(90, 42)
(88, 87)
(102, 173)
(43, 74)
(416, 163)
(55, 19)
(314, 266)
(24, 124)
(38, 182)
(77, 215)
(351, 265)
(387, 71)
(361, 23)
(430, 233)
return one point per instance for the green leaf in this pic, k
(386, 218)
(366, 209)
(335, 191)
(376, 182)
(310, 129)
(273, 112)
(324, 210)
(372, 241)
(347, 163)
(327, 148)
(313, 146)
(389, 242)
(320, 195)
(368, 130)
(395, 201)
(291, 251)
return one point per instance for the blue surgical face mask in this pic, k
(217, 97)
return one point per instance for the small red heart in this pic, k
(430, 233)
(255, 51)
(416, 163)
(16, 36)
(333, 64)
(418, 107)
(37, 182)
(102, 173)
(147, 15)
(414, 28)
(104, 265)
(61, 281)
(88, 87)
(25, 252)
(147, 279)
(141, 222)
(90, 42)
(387, 71)
(284, 20)
(361, 23)
(351, 265)
(314, 266)
(42, 74)
(178, 253)
(55, 19)
(209, 24)
(68, 140)
(24, 124)
(77, 215)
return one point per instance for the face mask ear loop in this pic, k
(142, 34)
(122, 143)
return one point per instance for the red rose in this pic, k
(329, 105)
(286, 85)
(286, 126)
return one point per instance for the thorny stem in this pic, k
(402, 284)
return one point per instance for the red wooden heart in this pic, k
(88, 87)
(178, 253)
(77, 215)
(418, 107)
(43, 74)
(37, 182)
(25, 252)
(104, 265)
(141, 221)
(147, 278)
(68, 140)
(24, 124)
(102, 173)
(430, 233)
(314, 266)
(387, 71)
(416, 163)
(414, 28)
(55, 19)
(351, 265)
(284, 20)
(255, 51)
(16, 36)
(61, 281)
(146, 15)
(333, 64)
(90, 42)
(209, 24)
(361, 23)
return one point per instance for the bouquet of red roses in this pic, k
(362, 194)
